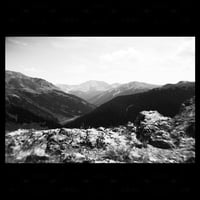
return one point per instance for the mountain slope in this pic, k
(166, 100)
(124, 89)
(36, 100)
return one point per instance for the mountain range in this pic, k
(99, 92)
(121, 90)
(35, 100)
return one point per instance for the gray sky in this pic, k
(73, 60)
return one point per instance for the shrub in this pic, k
(36, 159)
(121, 154)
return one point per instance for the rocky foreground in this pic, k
(152, 138)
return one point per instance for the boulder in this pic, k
(79, 156)
(134, 155)
(162, 134)
(62, 131)
(150, 117)
(40, 151)
(151, 125)
(59, 138)
(130, 124)
(165, 125)
(101, 129)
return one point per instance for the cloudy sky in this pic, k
(73, 60)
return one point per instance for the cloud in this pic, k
(187, 49)
(119, 55)
(15, 41)
(183, 58)
(76, 59)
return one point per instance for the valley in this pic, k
(36, 100)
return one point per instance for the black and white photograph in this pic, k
(76, 99)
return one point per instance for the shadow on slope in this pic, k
(166, 100)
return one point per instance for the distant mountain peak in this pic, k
(94, 81)
(93, 85)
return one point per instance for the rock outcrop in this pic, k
(152, 138)
(185, 119)
(153, 128)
